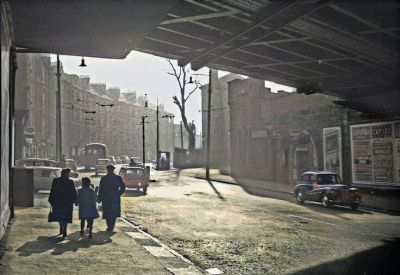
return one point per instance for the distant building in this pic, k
(118, 126)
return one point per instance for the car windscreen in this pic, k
(326, 179)
(102, 162)
(134, 172)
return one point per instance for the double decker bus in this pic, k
(91, 153)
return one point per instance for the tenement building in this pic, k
(275, 137)
(90, 112)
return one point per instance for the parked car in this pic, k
(126, 159)
(327, 188)
(112, 160)
(34, 162)
(135, 177)
(70, 163)
(43, 177)
(101, 166)
(135, 161)
(118, 159)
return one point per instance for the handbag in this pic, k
(51, 217)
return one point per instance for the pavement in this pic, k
(31, 246)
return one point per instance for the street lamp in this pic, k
(208, 126)
(208, 122)
(143, 136)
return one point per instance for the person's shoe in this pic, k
(81, 232)
(90, 235)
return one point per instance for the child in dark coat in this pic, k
(87, 206)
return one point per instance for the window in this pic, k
(325, 179)
(134, 172)
(305, 178)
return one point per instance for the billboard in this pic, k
(332, 143)
(375, 151)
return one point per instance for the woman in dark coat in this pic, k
(62, 198)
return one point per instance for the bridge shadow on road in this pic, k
(72, 243)
(378, 260)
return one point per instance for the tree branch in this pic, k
(175, 73)
(195, 88)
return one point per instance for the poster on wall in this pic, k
(375, 153)
(332, 150)
(383, 161)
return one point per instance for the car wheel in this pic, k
(355, 206)
(325, 201)
(299, 197)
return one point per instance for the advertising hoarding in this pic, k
(375, 151)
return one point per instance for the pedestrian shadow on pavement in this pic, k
(378, 260)
(72, 243)
(215, 190)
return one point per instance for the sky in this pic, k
(145, 74)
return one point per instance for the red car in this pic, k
(327, 188)
(135, 177)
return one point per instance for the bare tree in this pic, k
(180, 75)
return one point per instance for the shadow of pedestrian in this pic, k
(215, 190)
(72, 243)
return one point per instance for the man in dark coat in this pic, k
(110, 191)
(62, 198)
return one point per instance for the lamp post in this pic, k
(158, 138)
(58, 114)
(208, 122)
(144, 141)
(208, 127)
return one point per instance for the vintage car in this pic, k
(327, 188)
(112, 160)
(43, 177)
(33, 162)
(70, 163)
(135, 177)
(126, 159)
(118, 160)
(101, 166)
(135, 161)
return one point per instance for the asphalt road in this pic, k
(218, 225)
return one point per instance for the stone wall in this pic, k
(5, 107)
(277, 136)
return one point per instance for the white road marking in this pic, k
(158, 251)
(214, 270)
(136, 235)
(312, 220)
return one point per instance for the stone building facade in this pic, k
(5, 155)
(277, 136)
(220, 145)
(86, 113)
